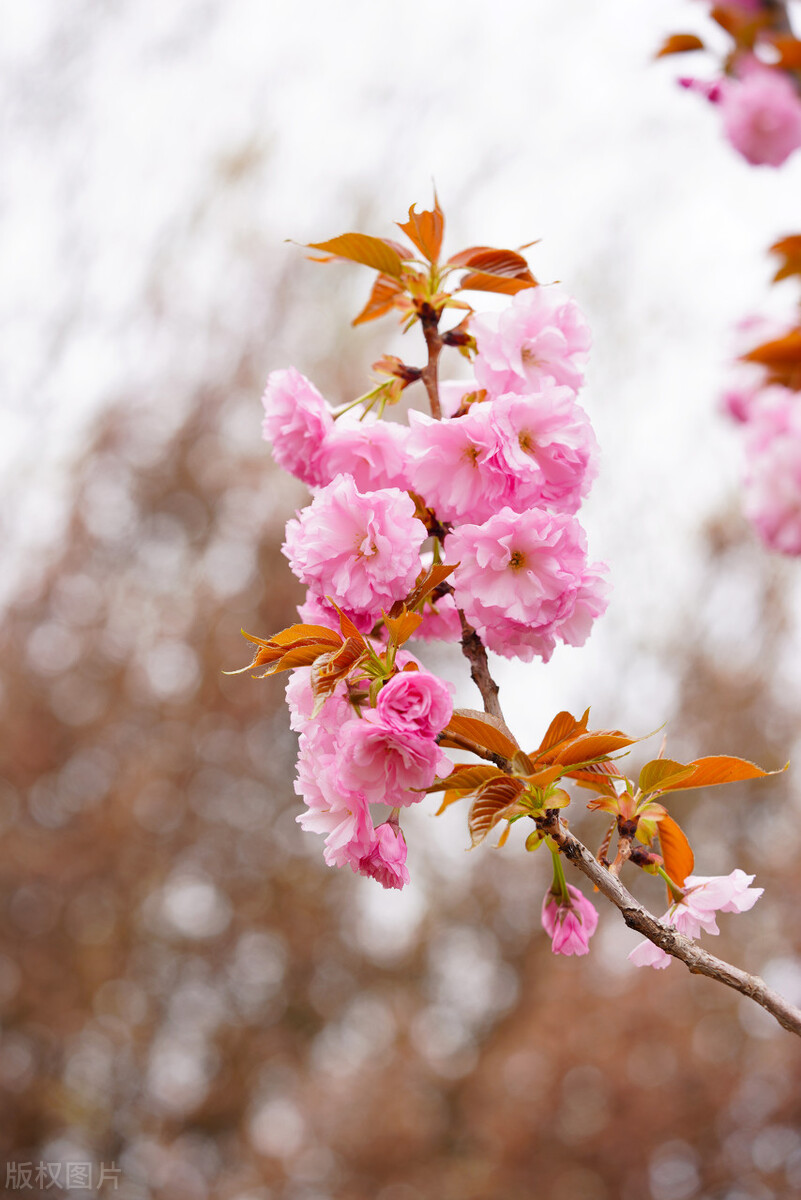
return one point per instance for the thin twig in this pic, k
(697, 961)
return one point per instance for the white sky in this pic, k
(536, 118)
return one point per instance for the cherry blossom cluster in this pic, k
(500, 477)
(757, 90)
(493, 487)
(460, 524)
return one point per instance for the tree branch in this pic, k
(697, 961)
(430, 322)
(475, 652)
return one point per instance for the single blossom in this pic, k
(385, 765)
(297, 420)
(453, 464)
(546, 448)
(415, 702)
(361, 549)
(704, 895)
(762, 114)
(386, 859)
(523, 581)
(744, 392)
(541, 334)
(371, 450)
(569, 925)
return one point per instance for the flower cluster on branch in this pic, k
(460, 524)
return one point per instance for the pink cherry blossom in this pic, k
(570, 926)
(762, 114)
(385, 765)
(415, 702)
(541, 334)
(523, 581)
(745, 389)
(646, 954)
(773, 475)
(453, 464)
(371, 450)
(297, 420)
(704, 895)
(360, 548)
(547, 447)
(386, 859)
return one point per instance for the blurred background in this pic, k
(186, 991)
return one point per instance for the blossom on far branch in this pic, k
(704, 895)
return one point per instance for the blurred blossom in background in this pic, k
(185, 991)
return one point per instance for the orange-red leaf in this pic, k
(427, 582)
(425, 230)
(496, 801)
(781, 358)
(379, 253)
(593, 745)
(676, 851)
(330, 668)
(720, 768)
(381, 300)
(789, 249)
(466, 778)
(679, 43)
(484, 729)
(402, 627)
(789, 51)
(483, 281)
(563, 728)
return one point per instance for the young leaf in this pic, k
(427, 582)
(403, 626)
(663, 772)
(330, 668)
(789, 52)
(466, 778)
(425, 230)
(720, 768)
(496, 801)
(483, 728)
(679, 43)
(563, 728)
(382, 299)
(789, 249)
(593, 745)
(494, 270)
(781, 358)
(379, 253)
(676, 851)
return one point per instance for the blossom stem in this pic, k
(559, 885)
(697, 961)
(676, 892)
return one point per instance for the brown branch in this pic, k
(474, 651)
(697, 961)
(429, 319)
